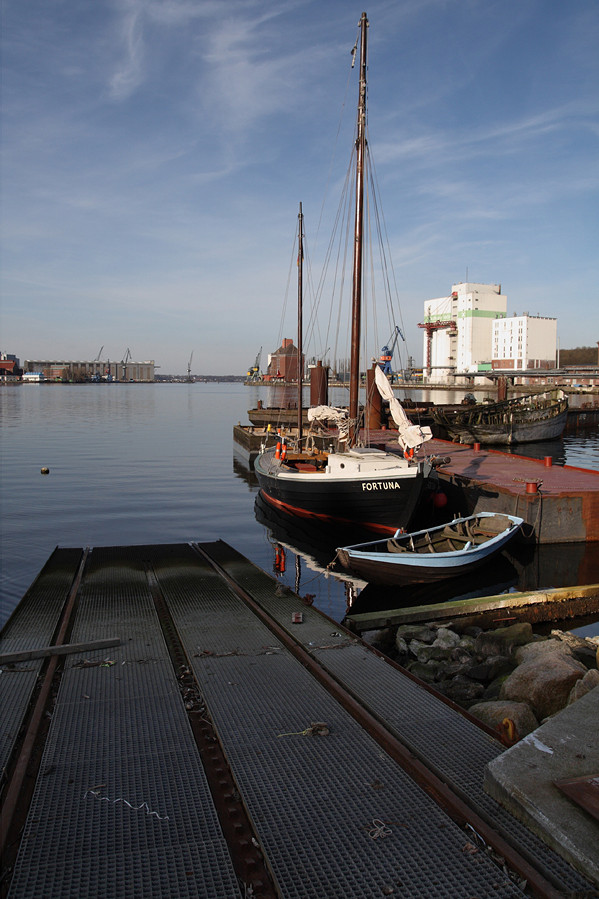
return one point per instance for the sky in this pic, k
(155, 153)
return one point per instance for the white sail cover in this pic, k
(330, 413)
(410, 436)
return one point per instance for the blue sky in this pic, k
(155, 153)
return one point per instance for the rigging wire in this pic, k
(334, 272)
(384, 242)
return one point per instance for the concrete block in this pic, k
(522, 780)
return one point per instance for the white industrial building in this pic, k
(458, 330)
(524, 342)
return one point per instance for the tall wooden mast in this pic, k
(300, 326)
(354, 384)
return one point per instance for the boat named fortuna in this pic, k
(364, 485)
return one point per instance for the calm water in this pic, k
(153, 463)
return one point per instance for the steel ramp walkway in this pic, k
(334, 815)
(450, 743)
(34, 626)
(121, 806)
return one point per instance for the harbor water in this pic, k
(154, 463)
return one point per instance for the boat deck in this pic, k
(235, 742)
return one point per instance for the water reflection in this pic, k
(499, 576)
(521, 567)
(307, 549)
(243, 471)
(544, 448)
(554, 565)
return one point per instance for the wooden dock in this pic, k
(234, 742)
(556, 604)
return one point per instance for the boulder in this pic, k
(544, 682)
(401, 645)
(459, 654)
(466, 642)
(461, 690)
(426, 654)
(381, 638)
(426, 673)
(542, 649)
(583, 649)
(491, 668)
(451, 668)
(421, 632)
(500, 641)
(416, 645)
(494, 688)
(495, 713)
(466, 625)
(584, 685)
(446, 639)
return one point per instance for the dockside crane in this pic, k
(189, 378)
(254, 371)
(430, 328)
(96, 376)
(125, 359)
(387, 351)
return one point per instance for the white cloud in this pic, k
(129, 73)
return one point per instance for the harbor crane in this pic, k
(254, 371)
(189, 378)
(387, 351)
(96, 376)
(430, 328)
(125, 359)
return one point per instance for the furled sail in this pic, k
(410, 436)
(330, 413)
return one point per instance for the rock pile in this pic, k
(510, 678)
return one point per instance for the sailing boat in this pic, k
(352, 484)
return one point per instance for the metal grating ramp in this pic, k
(121, 807)
(432, 729)
(31, 626)
(315, 801)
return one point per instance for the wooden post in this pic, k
(374, 403)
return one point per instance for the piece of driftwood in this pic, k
(66, 649)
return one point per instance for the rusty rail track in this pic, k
(248, 861)
(21, 778)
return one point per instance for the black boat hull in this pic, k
(382, 505)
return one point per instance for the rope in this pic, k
(379, 830)
(536, 526)
(136, 808)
